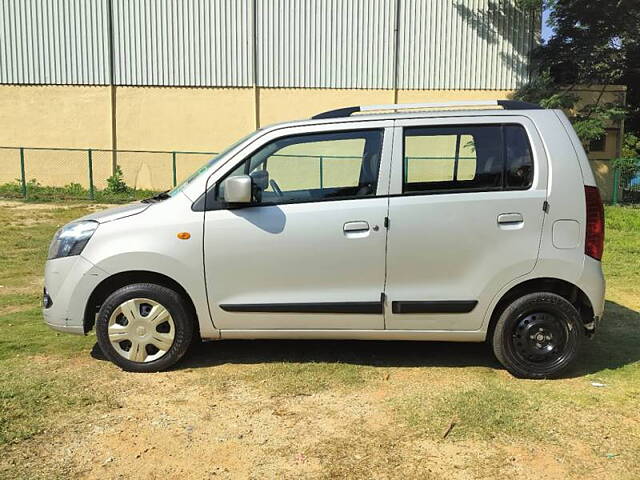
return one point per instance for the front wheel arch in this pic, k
(122, 279)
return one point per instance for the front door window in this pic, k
(313, 167)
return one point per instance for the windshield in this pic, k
(206, 166)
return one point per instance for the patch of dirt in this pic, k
(208, 423)
(57, 206)
(9, 309)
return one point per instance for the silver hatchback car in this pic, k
(465, 222)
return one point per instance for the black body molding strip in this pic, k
(438, 306)
(328, 307)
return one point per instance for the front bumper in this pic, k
(69, 282)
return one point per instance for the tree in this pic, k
(594, 43)
(589, 121)
(629, 163)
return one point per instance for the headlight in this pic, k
(71, 239)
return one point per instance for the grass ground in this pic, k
(310, 409)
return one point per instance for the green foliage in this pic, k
(73, 191)
(510, 413)
(589, 121)
(621, 260)
(116, 183)
(290, 378)
(30, 397)
(629, 167)
(534, 5)
(11, 189)
(593, 43)
(629, 163)
(631, 146)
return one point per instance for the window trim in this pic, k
(200, 204)
(503, 187)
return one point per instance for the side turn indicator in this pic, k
(184, 235)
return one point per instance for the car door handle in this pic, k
(354, 227)
(510, 218)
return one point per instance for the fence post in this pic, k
(616, 186)
(321, 172)
(90, 160)
(23, 177)
(173, 164)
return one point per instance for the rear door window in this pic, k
(519, 173)
(466, 158)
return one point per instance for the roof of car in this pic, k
(415, 110)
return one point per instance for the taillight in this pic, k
(594, 234)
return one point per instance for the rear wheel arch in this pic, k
(122, 279)
(565, 289)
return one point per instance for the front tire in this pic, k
(538, 336)
(144, 327)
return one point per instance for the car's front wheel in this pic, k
(144, 327)
(538, 335)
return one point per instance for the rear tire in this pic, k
(538, 336)
(144, 327)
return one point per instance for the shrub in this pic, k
(71, 192)
(629, 163)
(75, 190)
(116, 183)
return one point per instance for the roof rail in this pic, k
(505, 104)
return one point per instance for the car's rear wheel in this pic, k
(144, 327)
(538, 335)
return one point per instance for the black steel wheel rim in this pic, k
(541, 339)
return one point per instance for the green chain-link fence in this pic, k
(115, 176)
(95, 174)
(626, 188)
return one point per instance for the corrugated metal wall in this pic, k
(54, 42)
(184, 43)
(443, 44)
(326, 43)
(466, 44)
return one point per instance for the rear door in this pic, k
(466, 214)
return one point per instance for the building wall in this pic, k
(55, 116)
(195, 75)
(183, 119)
(156, 119)
(601, 159)
(438, 44)
(188, 119)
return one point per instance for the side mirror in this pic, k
(260, 179)
(237, 189)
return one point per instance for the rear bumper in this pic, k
(69, 282)
(592, 283)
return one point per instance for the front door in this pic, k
(309, 252)
(466, 219)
